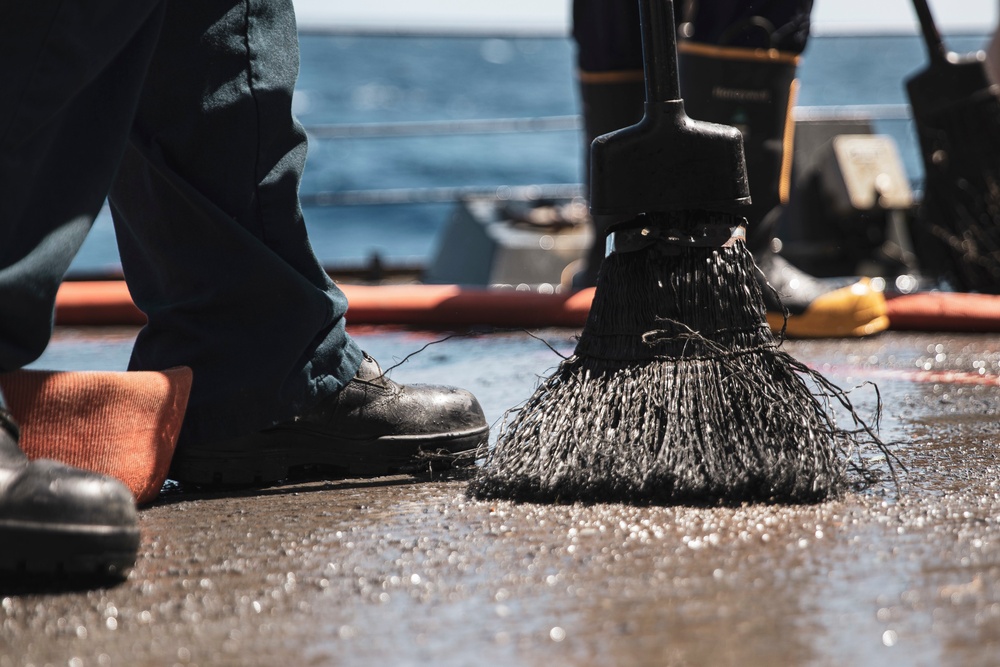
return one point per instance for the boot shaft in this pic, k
(753, 90)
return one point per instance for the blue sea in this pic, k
(356, 80)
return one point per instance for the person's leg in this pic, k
(611, 88)
(216, 254)
(211, 235)
(70, 82)
(71, 79)
(738, 67)
(609, 67)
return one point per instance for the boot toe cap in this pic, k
(49, 492)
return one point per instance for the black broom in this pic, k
(957, 116)
(677, 391)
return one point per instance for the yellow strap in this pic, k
(788, 145)
(611, 76)
(736, 53)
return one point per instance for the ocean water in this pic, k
(352, 79)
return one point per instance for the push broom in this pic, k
(957, 116)
(677, 391)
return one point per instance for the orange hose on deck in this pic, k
(109, 303)
(944, 311)
(451, 305)
(96, 302)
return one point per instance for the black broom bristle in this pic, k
(677, 392)
(958, 226)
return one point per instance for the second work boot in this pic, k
(373, 426)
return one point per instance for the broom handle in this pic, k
(932, 38)
(659, 50)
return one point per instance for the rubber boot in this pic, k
(612, 92)
(754, 90)
(56, 519)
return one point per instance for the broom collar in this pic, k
(675, 230)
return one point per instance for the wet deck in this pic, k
(404, 571)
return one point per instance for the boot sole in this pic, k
(276, 454)
(56, 549)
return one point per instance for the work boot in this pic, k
(754, 90)
(373, 426)
(58, 519)
(819, 307)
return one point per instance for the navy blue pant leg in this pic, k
(209, 226)
(69, 84)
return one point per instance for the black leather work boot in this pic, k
(373, 426)
(56, 519)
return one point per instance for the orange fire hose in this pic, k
(441, 306)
